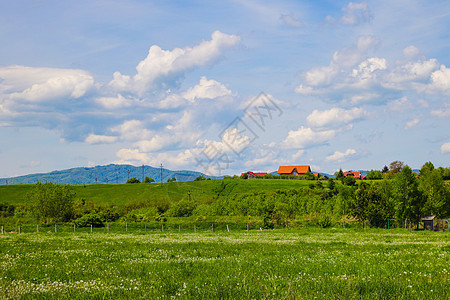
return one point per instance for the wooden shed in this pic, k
(428, 222)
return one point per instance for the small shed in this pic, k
(428, 222)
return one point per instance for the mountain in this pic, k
(104, 174)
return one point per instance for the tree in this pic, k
(173, 179)
(339, 175)
(50, 202)
(409, 201)
(385, 169)
(133, 180)
(374, 174)
(396, 167)
(148, 179)
(432, 186)
(200, 178)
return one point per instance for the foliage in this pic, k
(87, 220)
(183, 208)
(324, 221)
(374, 174)
(133, 180)
(200, 178)
(173, 179)
(7, 210)
(148, 179)
(50, 202)
(396, 166)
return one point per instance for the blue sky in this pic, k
(351, 85)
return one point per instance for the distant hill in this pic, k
(105, 174)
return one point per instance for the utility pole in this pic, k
(6, 181)
(143, 173)
(128, 174)
(189, 195)
(95, 180)
(106, 180)
(161, 174)
(117, 179)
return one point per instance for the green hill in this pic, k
(122, 194)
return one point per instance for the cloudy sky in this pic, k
(223, 86)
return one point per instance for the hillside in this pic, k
(105, 174)
(122, 194)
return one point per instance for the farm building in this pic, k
(355, 174)
(294, 170)
(251, 175)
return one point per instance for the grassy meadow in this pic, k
(302, 263)
(120, 194)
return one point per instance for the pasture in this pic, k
(302, 263)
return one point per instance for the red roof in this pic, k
(356, 174)
(254, 173)
(291, 169)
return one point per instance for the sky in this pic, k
(223, 87)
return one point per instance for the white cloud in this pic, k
(411, 52)
(297, 154)
(442, 113)
(368, 67)
(402, 104)
(341, 156)
(440, 81)
(291, 20)
(411, 123)
(411, 71)
(355, 13)
(131, 155)
(132, 130)
(113, 102)
(305, 137)
(334, 116)
(206, 89)
(100, 139)
(445, 148)
(43, 84)
(165, 63)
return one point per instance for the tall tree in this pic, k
(436, 193)
(409, 201)
(396, 167)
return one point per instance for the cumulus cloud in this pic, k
(355, 13)
(400, 105)
(100, 139)
(334, 116)
(206, 89)
(341, 156)
(440, 81)
(411, 123)
(160, 64)
(442, 113)
(113, 102)
(410, 52)
(305, 137)
(132, 130)
(445, 148)
(43, 84)
(132, 155)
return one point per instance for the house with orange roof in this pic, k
(355, 174)
(294, 170)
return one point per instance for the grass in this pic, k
(278, 264)
(120, 194)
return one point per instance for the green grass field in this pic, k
(274, 264)
(119, 194)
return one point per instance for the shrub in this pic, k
(133, 180)
(324, 221)
(93, 219)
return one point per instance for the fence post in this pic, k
(179, 228)
(162, 227)
(91, 228)
(19, 228)
(37, 228)
(108, 226)
(195, 228)
(388, 223)
(228, 229)
(126, 226)
(2, 229)
(56, 228)
(247, 226)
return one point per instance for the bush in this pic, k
(183, 208)
(93, 219)
(133, 180)
(148, 179)
(324, 221)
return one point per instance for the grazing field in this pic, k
(303, 263)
